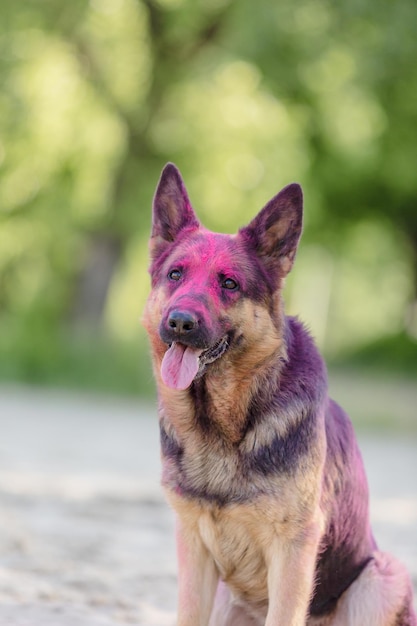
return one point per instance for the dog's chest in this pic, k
(238, 538)
(213, 473)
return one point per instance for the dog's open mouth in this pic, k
(182, 364)
(215, 352)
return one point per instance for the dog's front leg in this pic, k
(197, 578)
(291, 569)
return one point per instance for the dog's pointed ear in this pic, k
(274, 233)
(172, 211)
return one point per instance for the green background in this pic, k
(244, 97)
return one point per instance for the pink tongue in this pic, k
(179, 366)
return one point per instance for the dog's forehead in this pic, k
(210, 243)
(204, 246)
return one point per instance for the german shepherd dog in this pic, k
(260, 466)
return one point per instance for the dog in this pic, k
(261, 468)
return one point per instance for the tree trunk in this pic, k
(103, 256)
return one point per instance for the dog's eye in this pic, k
(229, 283)
(175, 274)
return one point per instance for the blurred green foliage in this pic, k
(97, 95)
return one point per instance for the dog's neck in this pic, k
(279, 373)
(221, 399)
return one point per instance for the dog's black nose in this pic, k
(182, 322)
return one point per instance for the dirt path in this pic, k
(85, 537)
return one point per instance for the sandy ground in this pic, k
(85, 536)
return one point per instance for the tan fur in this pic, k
(266, 549)
(256, 548)
(375, 598)
(231, 387)
(263, 342)
(252, 561)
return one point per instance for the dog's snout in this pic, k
(182, 322)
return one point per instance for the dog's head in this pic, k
(213, 294)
